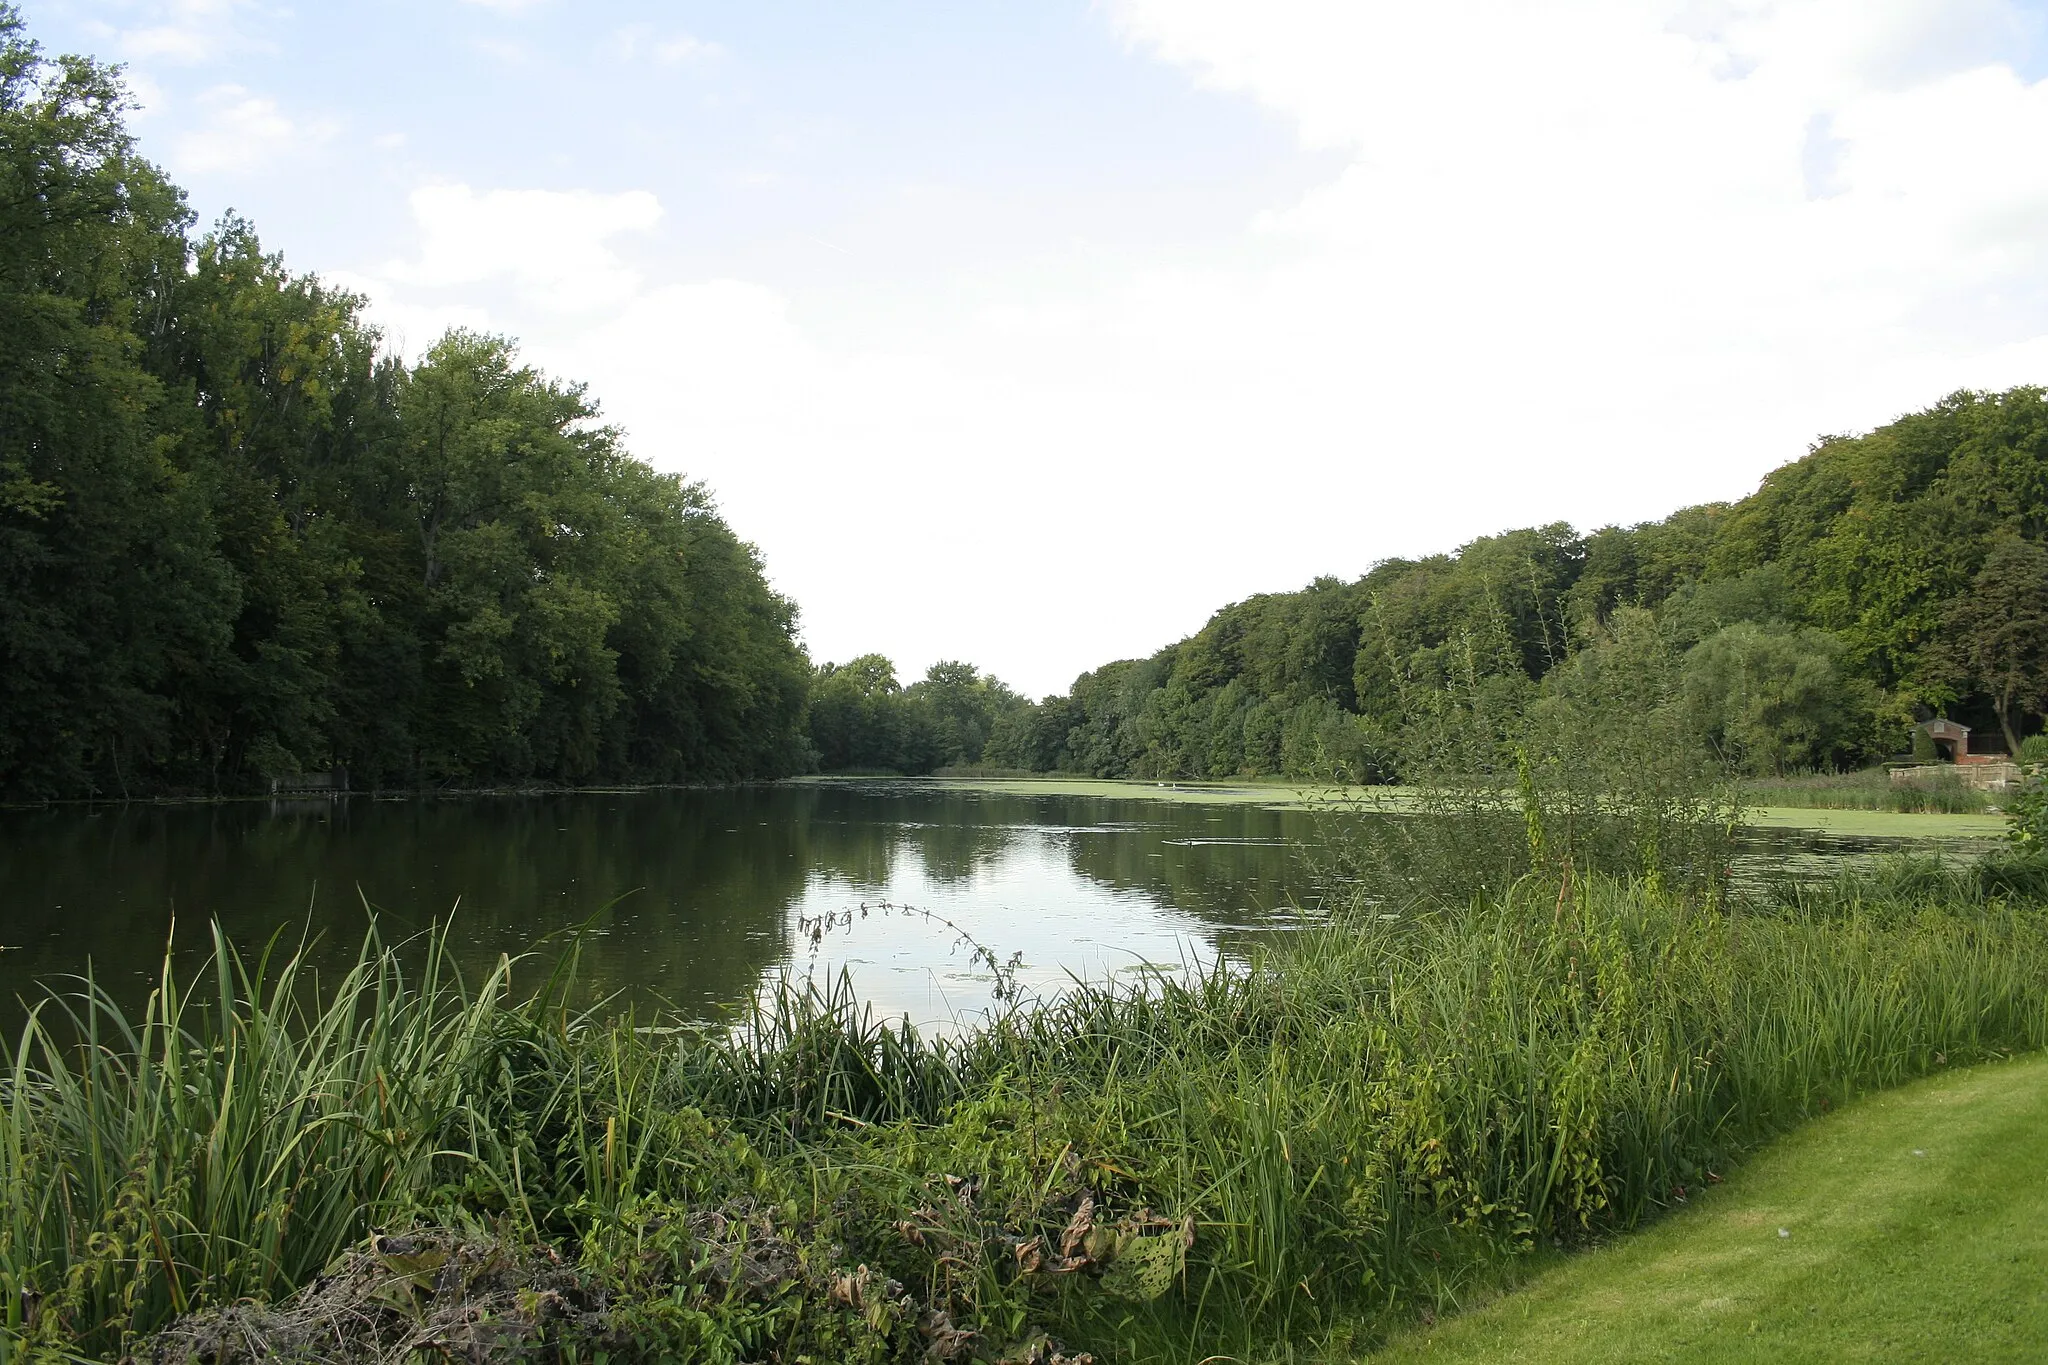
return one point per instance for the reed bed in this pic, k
(1869, 789)
(1271, 1160)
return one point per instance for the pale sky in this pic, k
(1032, 333)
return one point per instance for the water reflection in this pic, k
(689, 897)
(1768, 858)
(693, 898)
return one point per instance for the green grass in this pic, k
(1380, 1117)
(1918, 1230)
(1869, 789)
(1287, 794)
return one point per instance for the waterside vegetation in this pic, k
(1879, 580)
(1518, 1024)
(1283, 1158)
(1870, 789)
(1911, 1225)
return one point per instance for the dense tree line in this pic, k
(240, 541)
(1880, 579)
(863, 720)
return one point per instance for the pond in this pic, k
(692, 898)
(688, 897)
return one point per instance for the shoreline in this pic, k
(1277, 794)
(1293, 795)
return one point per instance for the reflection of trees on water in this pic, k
(691, 894)
(1212, 861)
(1215, 866)
(686, 891)
(857, 833)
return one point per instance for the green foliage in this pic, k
(107, 546)
(859, 720)
(1879, 578)
(1774, 698)
(1997, 633)
(1870, 789)
(862, 720)
(241, 544)
(1698, 608)
(2026, 815)
(1599, 772)
(1878, 534)
(1346, 1128)
(968, 709)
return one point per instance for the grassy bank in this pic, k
(1768, 806)
(1914, 1227)
(1284, 1161)
(1870, 789)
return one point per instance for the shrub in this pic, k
(2026, 815)
(1360, 1120)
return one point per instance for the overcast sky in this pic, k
(1030, 333)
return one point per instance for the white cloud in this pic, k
(672, 49)
(242, 131)
(183, 32)
(684, 48)
(510, 51)
(1547, 197)
(147, 96)
(552, 247)
(409, 326)
(1591, 259)
(169, 41)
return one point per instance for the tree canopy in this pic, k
(240, 541)
(1882, 577)
(862, 720)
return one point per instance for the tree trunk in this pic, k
(430, 535)
(2005, 710)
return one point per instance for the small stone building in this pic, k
(1951, 741)
(1985, 772)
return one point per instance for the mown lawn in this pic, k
(1912, 1225)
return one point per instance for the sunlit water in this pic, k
(693, 899)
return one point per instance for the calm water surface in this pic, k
(694, 897)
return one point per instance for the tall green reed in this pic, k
(1374, 1114)
(1380, 1108)
(225, 1142)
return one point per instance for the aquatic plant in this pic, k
(1871, 789)
(1363, 1122)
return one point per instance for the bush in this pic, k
(1777, 698)
(1355, 1123)
(1602, 772)
(2026, 815)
